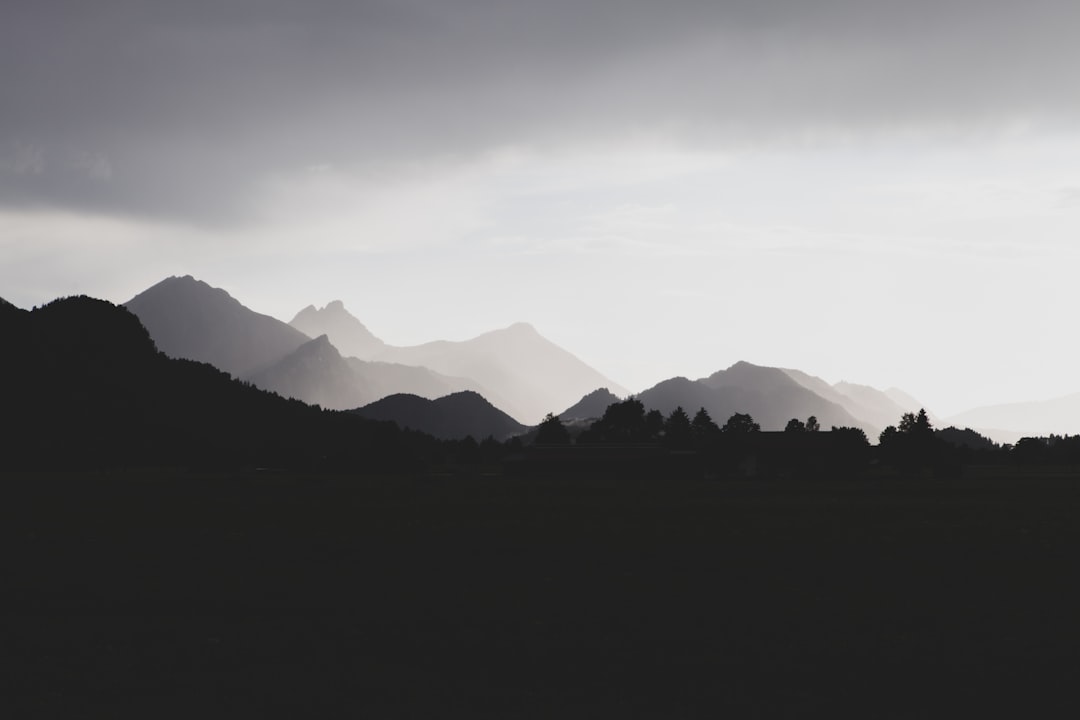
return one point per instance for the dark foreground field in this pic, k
(174, 596)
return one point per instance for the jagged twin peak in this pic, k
(346, 332)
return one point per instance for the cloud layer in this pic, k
(184, 110)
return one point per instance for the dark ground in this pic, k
(173, 596)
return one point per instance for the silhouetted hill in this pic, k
(346, 332)
(524, 373)
(1039, 418)
(89, 389)
(452, 417)
(590, 407)
(10, 312)
(386, 378)
(317, 373)
(189, 319)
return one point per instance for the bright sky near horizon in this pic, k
(882, 192)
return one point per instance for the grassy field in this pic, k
(176, 596)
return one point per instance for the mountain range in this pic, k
(516, 368)
(328, 357)
(514, 371)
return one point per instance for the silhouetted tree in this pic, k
(812, 424)
(654, 425)
(856, 435)
(552, 432)
(795, 425)
(704, 430)
(741, 423)
(677, 432)
(623, 423)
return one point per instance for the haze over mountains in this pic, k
(515, 368)
(520, 371)
(1038, 418)
(513, 371)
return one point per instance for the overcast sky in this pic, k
(882, 192)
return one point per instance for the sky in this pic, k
(880, 192)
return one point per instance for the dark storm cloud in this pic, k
(179, 109)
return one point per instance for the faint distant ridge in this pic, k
(1037, 418)
(317, 373)
(347, 333)
(452, 417)
(590, 407)
(518, 369)
(188, 318)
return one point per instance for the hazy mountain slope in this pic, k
(873, 405)
(317, 374)
(384, 378)
(901, 398)
(526, 375)
(189, 319)
(1058, 416)
(773, 397)
(591, 406)
(452, 417)
(345, 331)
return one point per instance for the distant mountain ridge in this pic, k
(317, 373)
(1038, 418)
(521, 371)
(773, 396)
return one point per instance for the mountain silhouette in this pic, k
(92, 390)
(452, 417)
(346, 332)
(317, 373)
(188, 318)
(590, 407)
